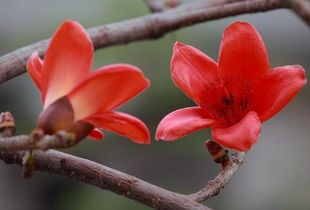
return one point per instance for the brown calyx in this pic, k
(59, 116)
(218, 153)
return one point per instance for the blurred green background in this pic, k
(276, 172)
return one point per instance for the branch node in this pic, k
(61, 139)
(36, 135)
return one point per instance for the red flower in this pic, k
(78, 101)
(235, 95)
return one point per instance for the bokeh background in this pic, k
(276, 172)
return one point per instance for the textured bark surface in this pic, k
(106, 178)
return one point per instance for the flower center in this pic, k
(228, 99)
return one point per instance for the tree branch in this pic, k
(37, 141)
(301, 8)
(106, 178)
(213, 188)
(81, 169)
(151, 26)
(101, 176)
(123, 184)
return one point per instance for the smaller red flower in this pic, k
(235, 95)
(78, 101)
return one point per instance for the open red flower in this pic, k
(78, 101)
(235, 95)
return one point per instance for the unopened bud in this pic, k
(7, 124)
(218, 153)
(59, 116)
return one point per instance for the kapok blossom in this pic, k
(234, 95)
(78, 101)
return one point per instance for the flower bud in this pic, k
(59, 116)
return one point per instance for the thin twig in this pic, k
(151, 26)
(220, 181)
(37, 141)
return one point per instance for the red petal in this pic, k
(96, 134)
(106, 89)
(182, 122)
(276, 89)
(240, 136)
(192, 71)
(34, 68)
(68, 60)
(122, 124)
(242, 53)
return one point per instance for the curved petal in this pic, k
(182, 122)
(240, 136)
(68, 60)
(121, 124)
(192, 71)
(242, 53)
(107, 89)
(96, 134)
(276, 89)
(34, 68)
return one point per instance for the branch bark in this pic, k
(109, 179)
(37, 141)
(101, 176)
(81, 169)
(301, 8)
(105, 178)
(213, 188)
(151, 26)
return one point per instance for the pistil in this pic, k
(228, 100)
